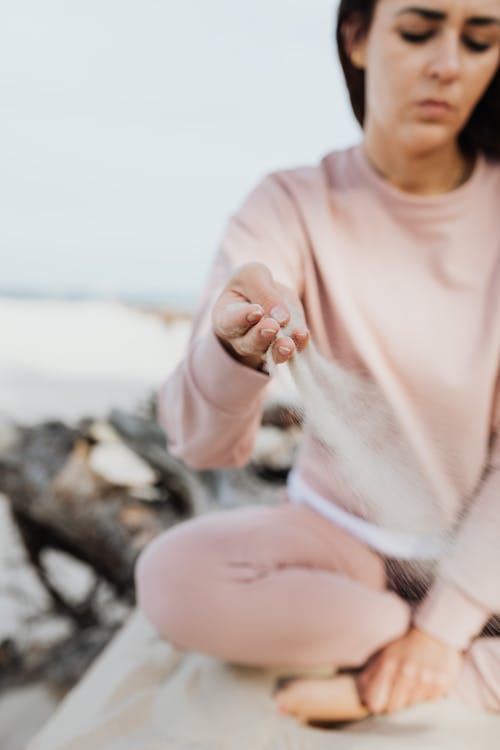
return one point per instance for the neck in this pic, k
(429, 173)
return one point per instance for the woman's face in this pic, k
(418, 50)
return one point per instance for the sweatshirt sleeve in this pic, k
(211, 405)
(466, 591)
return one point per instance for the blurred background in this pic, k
(129, 132)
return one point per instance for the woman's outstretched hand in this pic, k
(411, 669)
(249, 313)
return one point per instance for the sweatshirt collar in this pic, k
(404, 199)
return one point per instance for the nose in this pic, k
(445, 62)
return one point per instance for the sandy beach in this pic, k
(65, 360)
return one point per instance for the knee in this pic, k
(160, 576)
(152, 577)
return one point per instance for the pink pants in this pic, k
(274, 586)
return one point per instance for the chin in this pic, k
(426, 137)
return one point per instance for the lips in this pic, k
(436, 102)
(434, 109)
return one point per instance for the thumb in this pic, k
(254, 281)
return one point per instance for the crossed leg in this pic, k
(277, 586)
(337, 698)
(269, 586)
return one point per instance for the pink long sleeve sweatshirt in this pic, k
(403, 287)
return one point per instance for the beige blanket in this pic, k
(142, 694)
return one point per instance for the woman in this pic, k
(391, 251)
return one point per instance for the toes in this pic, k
(334, 699)
(303, 698)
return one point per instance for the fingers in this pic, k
(364, 678)
(412, 669)
(402, 688)
(425, 689)
(248, 316)
(260, 336)
(300, 337)
(418, 688)
(284, 347)
(405, 688)
(254, 281)
(437, 687)
(234, 319)
(377, 690)
(258, 339)
(250, 332)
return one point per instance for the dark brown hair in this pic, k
(482, 131)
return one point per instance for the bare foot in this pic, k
(322, 699)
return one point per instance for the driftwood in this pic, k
(59, 502)
(63, 496)
(99, 492)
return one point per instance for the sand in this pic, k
(64, 360)
(68, 359)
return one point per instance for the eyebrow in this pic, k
(439, 15)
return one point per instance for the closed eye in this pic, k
(421, 38)
(475, 46)
(414, 37)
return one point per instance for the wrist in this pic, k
(433, 639)
(449, 615)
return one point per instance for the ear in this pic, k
(354, 40)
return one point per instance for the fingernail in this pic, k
(284, 350)
(301, 335)
(279, 314)
(254, 315)
(268, 332)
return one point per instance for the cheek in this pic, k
(392, 83)
(393, 75)
(479, 78)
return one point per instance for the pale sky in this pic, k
(129, 131)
